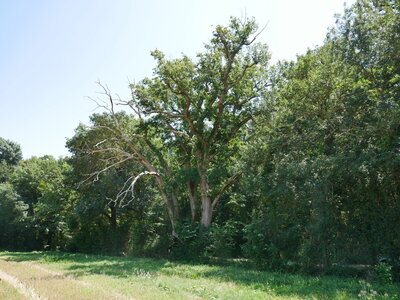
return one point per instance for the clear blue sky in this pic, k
(53, 52)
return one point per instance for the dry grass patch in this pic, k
(8, 292)
(51, 285)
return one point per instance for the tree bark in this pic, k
(206, 207)
(172, 209)
(192, 198)
(191, 186)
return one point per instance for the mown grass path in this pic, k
(78, 276)
(35, 282)
(10, 288)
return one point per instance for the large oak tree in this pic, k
(189, 116)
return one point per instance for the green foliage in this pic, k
(195, 242)
(383, 273)
(5, 172)
(255, 246)
(259, 246)
(10, 155)
(12, 218)
(10, 152)
(396, 271)
(191, 243)
(326, 159)
(100, 239)
(222, 239)
(104, 223)
(41, 187)
(149, 237)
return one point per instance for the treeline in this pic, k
(226, 156)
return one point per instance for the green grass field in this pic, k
(78, 276)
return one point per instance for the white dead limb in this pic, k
(128, 189)
(104, 141)
(96, 175)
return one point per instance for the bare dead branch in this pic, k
(128, 189)
(100, 103)
(156, 111)
(256, 35)
(96, 175)
(104, 141)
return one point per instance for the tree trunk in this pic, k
(206, 211)
(170, 202)
(206, 207)
(191, 186)
(172, 209)
(192, 198)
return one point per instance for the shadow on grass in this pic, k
(281, 283)
(21, 256)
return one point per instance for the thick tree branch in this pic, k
(231, 181)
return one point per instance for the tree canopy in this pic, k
(10, 152)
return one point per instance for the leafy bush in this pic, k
(255, 246)
(194, 242)
(191, 242)
(222, 239)
(258, 247)
(383, 273)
